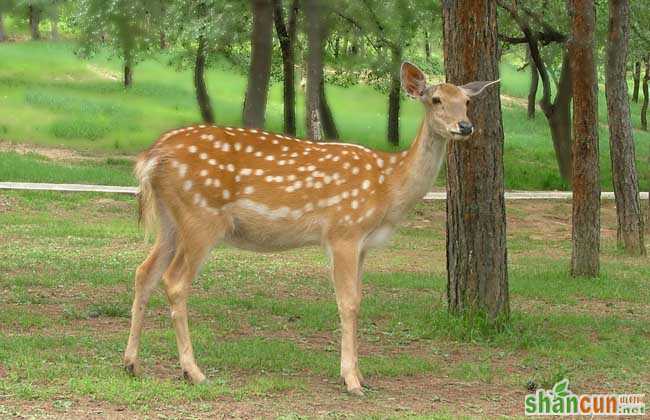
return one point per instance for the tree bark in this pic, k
(586, 186)
(34, 22)
(260, 68)
(394, 97)
(202, 95)
(286, 36)
(646, 98)
(477, 276)
(624, 176)
(532, 90)
(3, 34)
(636, 77)
(314, 68)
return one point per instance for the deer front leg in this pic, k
(346, 279)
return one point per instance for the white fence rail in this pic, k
(432, 196)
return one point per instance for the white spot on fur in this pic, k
(354, 204)
(226, 194)
(187, 185)
(249, 189)
(192, 149)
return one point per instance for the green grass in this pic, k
(265, 326)
(71, 103)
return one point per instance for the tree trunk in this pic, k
(260, 68)
(202, 96)
(3, 35)
(286, 36)
(34, 22)
(314, 68)
(621, 143)
(128, 73)
(558, 115)
(646, 98)
(394, 97)
(477, 276)
(532, 90)
(586, 186)
(54, 21)
(637, 79)
(330, 131)
(427, 45)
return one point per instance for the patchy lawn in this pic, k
(265, 326)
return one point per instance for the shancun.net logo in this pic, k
(561, 401)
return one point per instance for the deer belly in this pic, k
(271, 230)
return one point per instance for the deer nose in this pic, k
(465, 127)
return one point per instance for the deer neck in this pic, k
(418, 173)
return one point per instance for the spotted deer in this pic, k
(262, 191)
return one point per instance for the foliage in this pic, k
(127, 27)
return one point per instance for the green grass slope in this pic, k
(48, 96)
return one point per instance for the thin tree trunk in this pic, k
(260, 68)
(532, 90)
(637, 79)
(330, 131)
(621, 143)
(54, 20)
(586, 186)
(477, 276)
(3, 35)
(286, 36)
(558, 115)
(34, 22)
(314, 68)
(394, 97)
(128, 73)
(427, 45)
(646, 98)
(202, 96)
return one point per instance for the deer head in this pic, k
(445, 104)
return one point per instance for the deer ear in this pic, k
(413, 80)
(475, 88)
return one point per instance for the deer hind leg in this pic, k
(346, 278)
(192, 250)
(147, 276)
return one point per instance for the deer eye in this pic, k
(435, 100)
(467, 102)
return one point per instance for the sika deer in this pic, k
(268, 192)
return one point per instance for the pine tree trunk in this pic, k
(532, 90)
(646, 98)
(586, 186)
(286, 36)
(621, 143)
(477, 276)
(260, 68)
(34, 22)
(314, 68)
(3, 35)
(202, 95)
(636, 77)
(394, 97)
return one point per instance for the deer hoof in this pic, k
(357, 392)
(132, 368)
